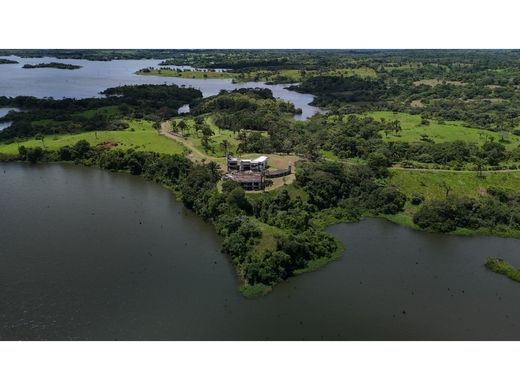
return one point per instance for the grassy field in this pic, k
(412, 130)
(433, 184)
(140, 136)
(435, 82)
(430, 183)
(188, 74)
(361, 72)
(297, 75)
(288, 75)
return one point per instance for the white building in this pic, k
(258, 164)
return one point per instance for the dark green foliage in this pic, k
(455, 212)
(253, 109)
(417, 199)
(331, 89)
(55, 65)
(282, 211)
(331, 184)
(35, 154)
(5, 61)
(386, 200)
(240, 242)
(50, 116)
(199, 180)
(493, 153)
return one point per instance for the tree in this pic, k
(446, 187)
(157, 126)
(40, 137)
(493, 152)
(207, 133)
(225, 146)
(479, 163)
(35, 154)
(378, 162)
(182, 126)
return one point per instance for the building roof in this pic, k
(244, 177)
(260, 159)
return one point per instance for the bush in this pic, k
(417, 199)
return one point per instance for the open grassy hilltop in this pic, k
(140, 136)
(412, 131)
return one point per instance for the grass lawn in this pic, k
(294, 192)
(412, 130)
(143, 137)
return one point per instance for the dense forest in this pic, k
(52, 116)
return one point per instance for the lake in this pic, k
(96, 76)
(3, 112)
(90, 255)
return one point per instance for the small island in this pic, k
(55, 65)
(500, 266)
(4, 61)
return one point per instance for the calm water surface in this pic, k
(3, 112)
(90, 255)
(96, 76)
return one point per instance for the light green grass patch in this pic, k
(432, 185)
(413, 131)
(215, 141)
(143, 137)
(269, 233)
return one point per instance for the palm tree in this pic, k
(225, 145)
(40, 137)
(480, 165)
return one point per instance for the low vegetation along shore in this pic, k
(500, 266)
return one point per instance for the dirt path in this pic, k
(195, 154)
